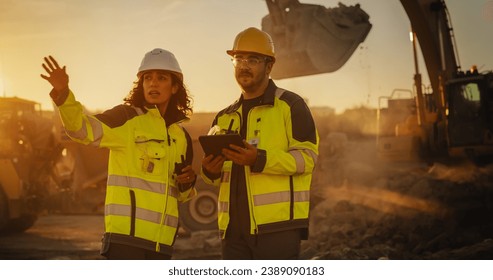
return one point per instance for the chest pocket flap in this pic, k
(151, 152)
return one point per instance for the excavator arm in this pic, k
(431, 25)
(311, 39)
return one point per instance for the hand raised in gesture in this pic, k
(57, 76)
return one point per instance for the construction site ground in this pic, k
(78, 237)
(362, 209)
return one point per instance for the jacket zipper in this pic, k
(166, 182)
(247, 181)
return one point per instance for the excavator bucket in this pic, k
(311, 39)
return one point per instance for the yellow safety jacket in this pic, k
(141, 207)
(278, 184)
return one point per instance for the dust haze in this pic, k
(367, 208)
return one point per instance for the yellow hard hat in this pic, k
(253, 40)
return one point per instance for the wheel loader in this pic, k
(29, 154)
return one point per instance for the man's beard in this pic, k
(250, 84)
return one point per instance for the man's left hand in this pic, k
(241, 155)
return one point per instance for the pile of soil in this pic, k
(363, 208)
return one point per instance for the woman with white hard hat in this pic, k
(149, 166)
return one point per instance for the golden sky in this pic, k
(103, 42)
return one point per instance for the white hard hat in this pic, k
(159, 59)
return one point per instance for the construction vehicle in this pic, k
(29, 155)
(41, 170)
(452, 118)
(86, 185)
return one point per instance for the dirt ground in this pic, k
(78, 237)
(362, 208)
(55, 237)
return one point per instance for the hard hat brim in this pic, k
(232, 53)
(177, 74)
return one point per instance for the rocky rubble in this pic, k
(367, 209)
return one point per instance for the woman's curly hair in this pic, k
(181, 101)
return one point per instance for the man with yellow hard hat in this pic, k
(264, 196)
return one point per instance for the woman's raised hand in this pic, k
(57, 76)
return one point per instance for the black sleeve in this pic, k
(189, 155)
(303, 124)
(207, 173)
(188, 161)
(117, 115)
(59, 97)
(301, 118)
(259, 164)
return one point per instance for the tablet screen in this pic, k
(213, 144)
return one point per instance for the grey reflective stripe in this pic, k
(271, 198)
(139, 111)
(303, 196)
(97, 131)
(279, 92)
(171, 221)
(225, 177)
(140, 213)
(148, 215)
(313, 155)
(300, 161)
(139, 183)
(117, 209)
(79, 134)
(223, 206)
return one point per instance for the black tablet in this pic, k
(213, 144)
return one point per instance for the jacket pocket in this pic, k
(151, 153)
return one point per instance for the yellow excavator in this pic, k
(452, 119)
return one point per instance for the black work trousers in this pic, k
(283, 245)
(117, 251)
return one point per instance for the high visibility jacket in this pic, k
(278, 184)
(141, 207)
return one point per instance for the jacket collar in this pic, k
(170, 116)
(267, 98)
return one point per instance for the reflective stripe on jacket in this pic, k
(141, 206)
(278, 184)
